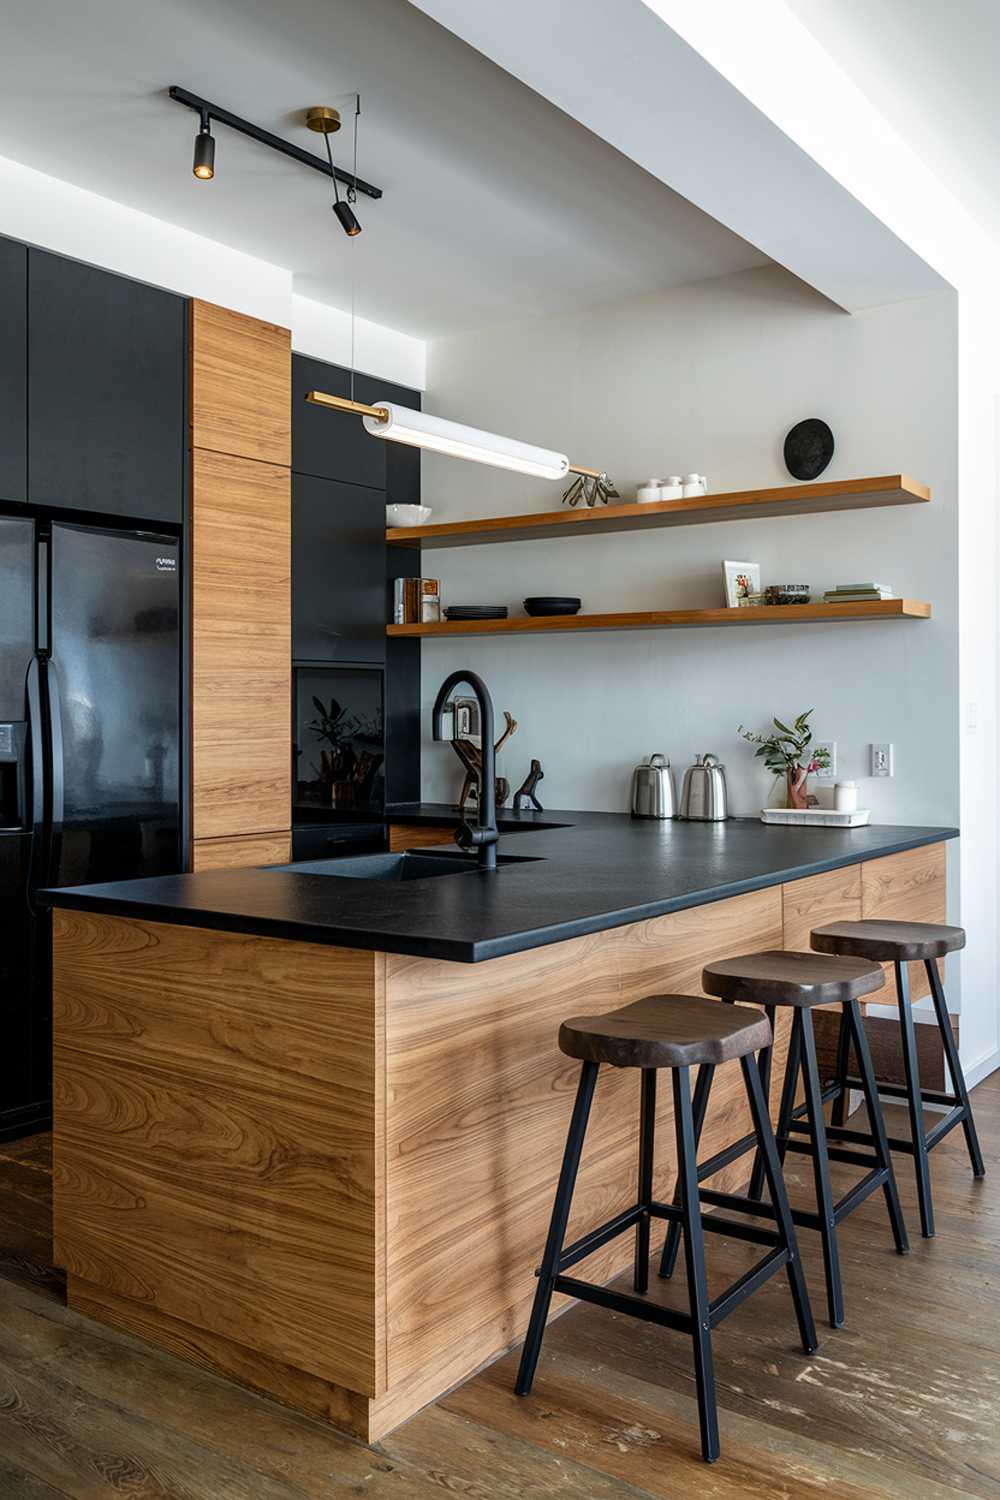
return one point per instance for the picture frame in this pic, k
(740, 581)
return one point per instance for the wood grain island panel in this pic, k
(327, 1173)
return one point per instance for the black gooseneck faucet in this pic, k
(482, 838)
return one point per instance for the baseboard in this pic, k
(982, 1069)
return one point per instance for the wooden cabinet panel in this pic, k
(240, 853)
(907, 887)
(834, 896)
(478, 1103)
(241, 638)
(217, 1149)
(13, 371)
(241, 372)
(339, 597)
(419, 835)
(106, 391)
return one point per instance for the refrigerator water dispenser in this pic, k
(13, 780)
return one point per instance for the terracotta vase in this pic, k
(796, 787)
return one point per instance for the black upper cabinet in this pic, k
(13, 371)
(106, 425)
(338, 571)
(331, 444)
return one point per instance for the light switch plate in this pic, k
(831, 747)
(881, 760)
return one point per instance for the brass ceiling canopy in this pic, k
(323, 118)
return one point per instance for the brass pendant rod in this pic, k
(343, 403)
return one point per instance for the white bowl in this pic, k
(407, 515)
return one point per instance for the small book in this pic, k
(861, 588)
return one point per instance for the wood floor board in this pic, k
(901, 1404)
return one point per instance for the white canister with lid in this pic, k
(845, 796)
(648, 491)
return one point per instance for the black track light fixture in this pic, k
(326, 121)
(204, 150)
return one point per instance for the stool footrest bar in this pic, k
(835, 1153)
(720, 1307)
(859, 1192)
(900, 1091)
(760, 1209)
(585, 1246)
(634, 1307)
(725, 1158)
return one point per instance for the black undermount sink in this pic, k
(418, 865)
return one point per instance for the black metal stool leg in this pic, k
(768, 1155)
(557, 1228)
(821, 1171)
(955, 1069)
(914, 1101)
(876, 1124)
(702, 1090)
(838, 1115)
(793, 1064)
(647, 1127)
(694, 1256)
(765, 1060)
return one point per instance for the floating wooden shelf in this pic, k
(737, 505)
(667, 619)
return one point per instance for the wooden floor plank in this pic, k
(901, 1404)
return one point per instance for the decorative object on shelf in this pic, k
(808, 448)
(848, 593)
(787, 593)
(740, 579)
(476, 612)
(408, 515)
(693, 484)
(525, 793)
(552, 604)
(591, 486)
(471, 757)
(785, 753)
(816, 817)
(416, 601)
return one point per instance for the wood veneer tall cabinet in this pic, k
(240, 411)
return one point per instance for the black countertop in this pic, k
(598, 870)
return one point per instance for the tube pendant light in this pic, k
(419, 429)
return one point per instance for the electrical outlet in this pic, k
(882, 760)
(830, 746)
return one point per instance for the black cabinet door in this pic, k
(13, 371)
(106, 426)
(338, 571)
(330, 444)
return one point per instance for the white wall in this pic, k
(55, 215)
(709, 377)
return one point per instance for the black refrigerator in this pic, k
(90, 684)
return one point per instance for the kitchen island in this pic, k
(307, 1127)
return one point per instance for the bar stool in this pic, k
(900, 943)
(804, 980)
(669, 1031)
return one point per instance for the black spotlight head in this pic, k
(204, 154)
(347, 217)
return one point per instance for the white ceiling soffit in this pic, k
(498, 206)
(621, 71)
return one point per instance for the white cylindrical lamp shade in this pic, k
(421, 430)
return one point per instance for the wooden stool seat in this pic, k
(779, 978)
(895, 942)
(665, 1031)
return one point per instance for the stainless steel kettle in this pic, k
(703, 793)
(653, 789)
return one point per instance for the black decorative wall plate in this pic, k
(808, 448)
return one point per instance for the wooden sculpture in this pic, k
(471, 757)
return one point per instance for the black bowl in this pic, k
(551, 604)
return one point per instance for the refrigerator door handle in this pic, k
(38, 858)
(56, 744)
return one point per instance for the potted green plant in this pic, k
(785, 752)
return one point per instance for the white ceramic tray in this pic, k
(816, 817)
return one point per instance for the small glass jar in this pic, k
(845, 796)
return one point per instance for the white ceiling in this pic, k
(931, 68)
(497, 205)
